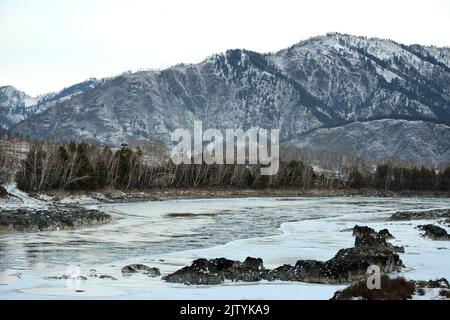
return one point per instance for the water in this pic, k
(170, 234)
(149, 228)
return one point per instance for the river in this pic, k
(171, 233)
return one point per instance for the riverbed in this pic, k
(170, 234)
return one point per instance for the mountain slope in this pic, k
(414, 141)
(16, 106)
(326, 81)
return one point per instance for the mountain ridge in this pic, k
(322, 82)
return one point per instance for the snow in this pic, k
(316, 233)
(20, 199)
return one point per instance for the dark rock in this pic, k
(447, 222)
(385, 234)
(56, 218)
(348, 265)
(105, 276)
(445, 293)
(312, 271)
(217, 270)
(3, 192)
(66, 277)
(284, 273)
(255, 263)
(438, 283)
(376, 243)
(420, 215)
(141, 268)
(434, 232)
(194, 275)
(363, 231)
(351, 264)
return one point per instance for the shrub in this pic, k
(391, 289)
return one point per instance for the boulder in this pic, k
(385, 234)
(420, 215)
(359, 231)
(3, 192)
(441, 283)
(141, 268)
(348, 265)
(377, 242)
(434, 232)
(50, 219)
(215, 271)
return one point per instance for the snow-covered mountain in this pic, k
(16, 106)
(415, 141)
(327, 81)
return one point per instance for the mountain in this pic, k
(416, 141)
(16, 106)
(323, 82)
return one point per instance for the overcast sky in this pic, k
(46, 45)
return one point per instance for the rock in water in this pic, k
(348, 265)
(434, 232)
(55, 218)
(215, 271)
(363, 231)
(3, 192)
(420, 215)
(385, 234)
(141, 268)
(378, 243)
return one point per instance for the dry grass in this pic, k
(391, 289)
(445, 293)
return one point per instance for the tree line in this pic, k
(80, 166)
(391, 178)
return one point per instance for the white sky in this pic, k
(46, 45)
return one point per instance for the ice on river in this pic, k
(170, 234)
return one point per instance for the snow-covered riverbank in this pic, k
(170, 234)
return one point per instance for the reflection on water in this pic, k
(149, 228)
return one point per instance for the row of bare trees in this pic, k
(85, 167)
(72, 166)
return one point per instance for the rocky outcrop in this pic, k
(360, 231)
(3, 192)
(141, 268)
(367, 238)
(215, 271)
(420, 215)
(447, 222)
(348, 265)
(434, 232)
(56, 218)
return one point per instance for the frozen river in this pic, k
(170, 234)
